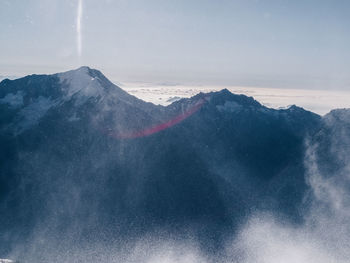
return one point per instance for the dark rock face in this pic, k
(66, 171)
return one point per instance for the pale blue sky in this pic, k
(292, 44)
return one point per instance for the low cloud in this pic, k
(318, 101)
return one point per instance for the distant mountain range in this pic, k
(81, 161)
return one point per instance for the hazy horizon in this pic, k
(276, 44)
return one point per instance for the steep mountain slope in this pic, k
(332, 146)
(83, 161)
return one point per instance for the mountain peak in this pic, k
(85, 81)
(80, 72)
(338, 115)
(224, 95)
(84, 68)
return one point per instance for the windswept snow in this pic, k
(76, 86)
(80, 82)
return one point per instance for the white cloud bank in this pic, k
(318, 101)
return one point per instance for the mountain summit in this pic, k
(27, 100)
(88, 82)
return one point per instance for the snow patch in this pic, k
(32, 113)
(73, 118)
(80, 82)
(285, 107)
(229, 106)
(173, 99)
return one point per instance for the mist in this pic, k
(233, 181)
(323, 237)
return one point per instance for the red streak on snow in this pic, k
(160, 127)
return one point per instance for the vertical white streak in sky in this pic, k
(79, 34)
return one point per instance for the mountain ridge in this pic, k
(84, 84)
(83, 169)
(96, 73)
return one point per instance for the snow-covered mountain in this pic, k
(83, 161)
(27, 100)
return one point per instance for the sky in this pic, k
(271, 43)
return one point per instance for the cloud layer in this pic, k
(318, 101)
